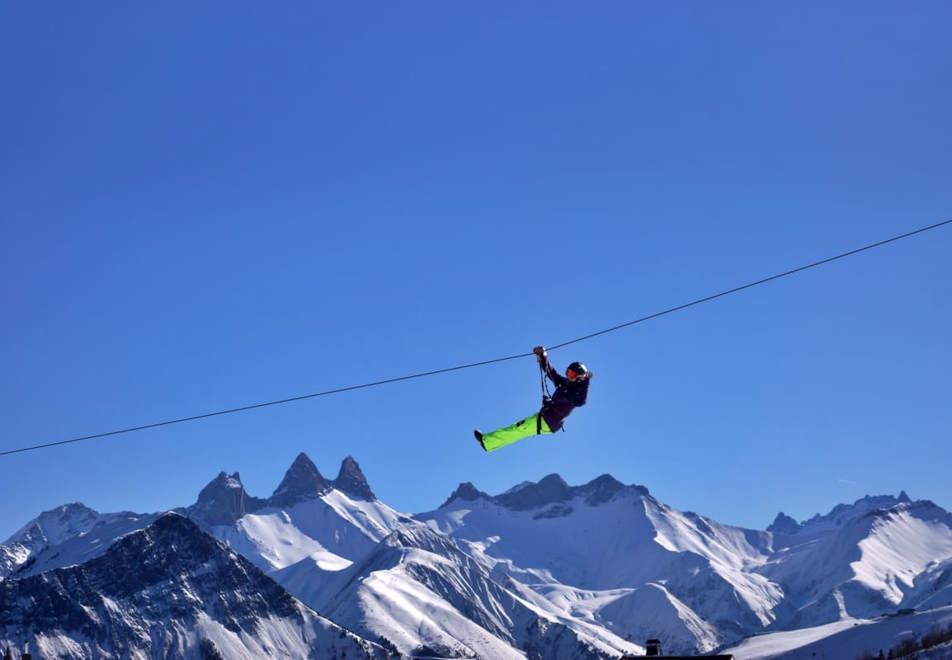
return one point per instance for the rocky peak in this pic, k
(48, 528)
(784, 524)
(351, 480)
(302, 481)
(70, 509)
(222, 484)
(844, 513)
(180, 567)
(223, 501)
(550, 489)
(466, 491)
(601, 489)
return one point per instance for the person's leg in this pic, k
(510, 434)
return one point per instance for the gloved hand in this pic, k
(541, 355)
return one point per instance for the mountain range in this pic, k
(323, 568)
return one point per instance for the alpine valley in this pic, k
(324, 569)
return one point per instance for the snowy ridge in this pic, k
(416, 574)
(331, 529)
(697, 583)
(167, 590)
(545, 569)
(863, 568)
(847, 638)
(65, 536)
(697, 567)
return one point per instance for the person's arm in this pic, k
(543, 359)
(554, 375)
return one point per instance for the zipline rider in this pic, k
(571, 391)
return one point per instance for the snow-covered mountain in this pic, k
(849, 638)
(67, 535)
(308, 520)
(167, 590)
(860, 560)
(465, 612)
(311, 531)
(635, 565)
(544, 569)
(615, 554)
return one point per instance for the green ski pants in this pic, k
(510, 434)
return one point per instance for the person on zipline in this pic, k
(571, 391)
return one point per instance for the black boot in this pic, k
(479, 439)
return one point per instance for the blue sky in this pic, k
(207, 206)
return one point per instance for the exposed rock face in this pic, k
(493, 613)
(553, 489)
(601, 489)
(223, 501)
(153, 592)
(550, 489)
(466, 491)
(352, 481)
(301, 482)
(784, 524)
(842, 513)
(47, 529)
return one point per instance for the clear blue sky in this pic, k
(208, 205)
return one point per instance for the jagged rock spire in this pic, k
(223, 501)
(602, 489)
(302, 481)
(551, 488)
(466, 491)
(784, 524)
(351, 480)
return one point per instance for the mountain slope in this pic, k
(422, 592)
(67, 535)
(607, 536)
(542, 568)
(329, 530)
(862, 566)
(168, 589)
(846, 639)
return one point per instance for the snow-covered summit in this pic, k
(311, 523)
(224, 500)
(860, 560)
(417, 570)
(66, 535)
(466, 491)
(545, 567)
(551, 489)
(51, 527)
(167, 590)
(843, 513)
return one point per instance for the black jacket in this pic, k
(568, 395)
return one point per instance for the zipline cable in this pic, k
(460, 367)
(753, 284)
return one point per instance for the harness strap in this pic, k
(546, 397)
